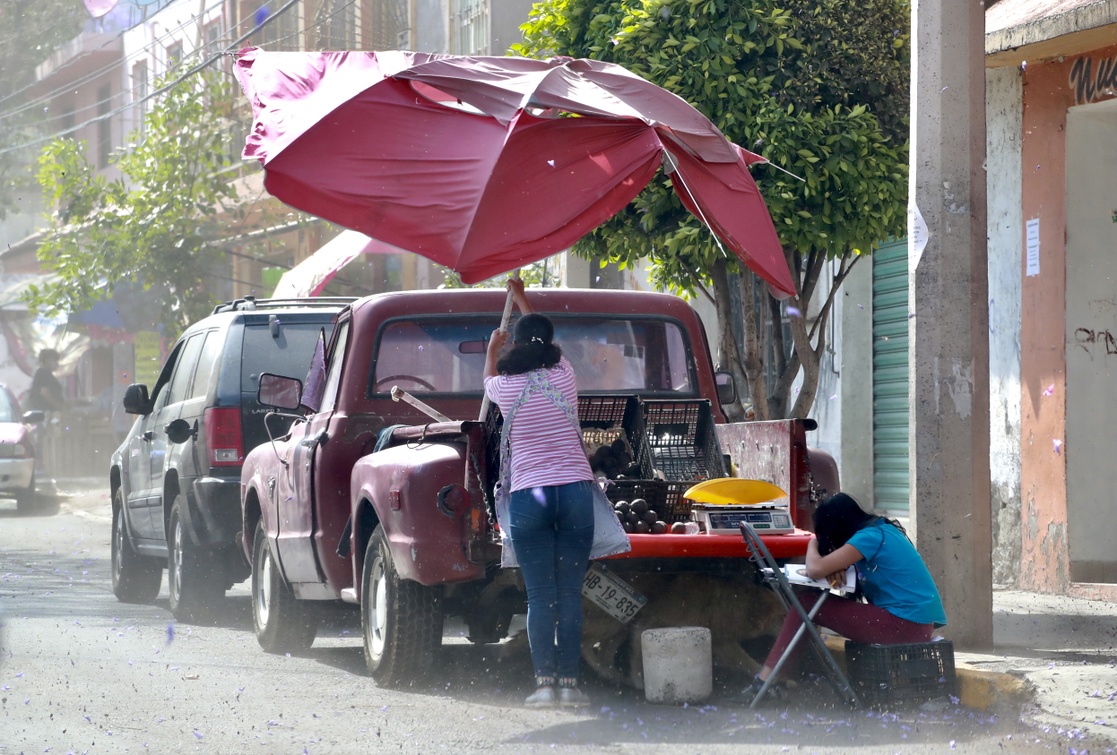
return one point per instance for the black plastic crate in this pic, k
(665, 497)
(605, 419)
(914, 673)
(682, 443)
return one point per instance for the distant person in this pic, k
(903, 603)
(46, 390)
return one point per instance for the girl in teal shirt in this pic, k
(904, 604)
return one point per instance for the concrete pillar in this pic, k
(948, 296)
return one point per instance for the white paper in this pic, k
(918, 234)
(797, 575)
(1032, 239)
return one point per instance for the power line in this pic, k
(147, 53)
(94, 74)
(152, 95)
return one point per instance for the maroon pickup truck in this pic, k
(386, 504)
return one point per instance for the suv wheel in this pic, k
(283, 623)
(193, 577)
(26, 500)
(401, 619)
(135, 579)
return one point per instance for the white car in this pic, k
(17, 451)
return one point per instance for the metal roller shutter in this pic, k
(890, 377)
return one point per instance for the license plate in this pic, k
(612, 594)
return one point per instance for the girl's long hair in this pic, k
(532, 347)
(838, 517)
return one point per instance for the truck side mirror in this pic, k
(727, 387)
(279, 392)
(136, 400)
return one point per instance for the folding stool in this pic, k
(773, 574)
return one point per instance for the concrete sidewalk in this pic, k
(1056, 654)
(1053, 657)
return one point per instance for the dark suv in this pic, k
(175, 480)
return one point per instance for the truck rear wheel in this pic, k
(283, 623)
(194, 582)
(401, 619)
(135, 578)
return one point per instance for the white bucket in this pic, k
(678, 665)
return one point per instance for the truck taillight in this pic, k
(223, 436)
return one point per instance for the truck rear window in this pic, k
(609, 355)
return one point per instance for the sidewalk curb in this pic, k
(976, 688)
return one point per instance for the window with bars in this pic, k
(281, 30)
(388, 25)
(174, 55)
(338, 24)
(212, 39)
(472, 19)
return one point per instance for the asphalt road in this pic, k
(81, 672)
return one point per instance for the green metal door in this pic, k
(890, 377)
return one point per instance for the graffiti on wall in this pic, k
(1096, 341)
(1093, 78)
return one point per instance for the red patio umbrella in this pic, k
(475, 162)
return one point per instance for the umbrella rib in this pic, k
(701, 215)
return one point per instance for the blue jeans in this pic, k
(552, 531)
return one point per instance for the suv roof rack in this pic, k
(251, 303)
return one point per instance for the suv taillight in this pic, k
(223, 437)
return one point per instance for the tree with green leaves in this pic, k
(820, 89)
(158, 226)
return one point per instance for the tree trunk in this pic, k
(727, 341)
(753, 355)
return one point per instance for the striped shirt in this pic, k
(546, 448)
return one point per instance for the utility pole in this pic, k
(948, 299)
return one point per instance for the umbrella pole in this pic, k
(504, 318)
(485, 401)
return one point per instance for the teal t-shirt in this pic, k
(894, 577)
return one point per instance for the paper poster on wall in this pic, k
(1031, 237)
(918, 234)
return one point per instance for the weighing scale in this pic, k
(721, 505)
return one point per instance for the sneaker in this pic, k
(544, 697)
(572, 697)
(745, 697)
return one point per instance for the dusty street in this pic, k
(81, 672)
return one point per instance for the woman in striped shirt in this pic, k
(551, 519)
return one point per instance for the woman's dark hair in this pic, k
(532, 346)
(838, 517)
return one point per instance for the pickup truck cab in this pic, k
(387, 504)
